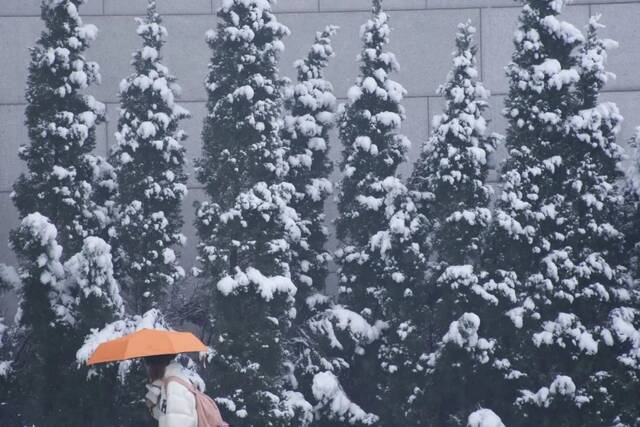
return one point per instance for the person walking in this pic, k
(170, 401)
(172, 398)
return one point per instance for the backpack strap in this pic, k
(185, 384)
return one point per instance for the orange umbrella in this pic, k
(146, 342)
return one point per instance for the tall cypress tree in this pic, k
(323, 332)
(541, 98)
(247, 227)
(64, 200)
(60, 303)
(310, 112)
(64, 181)
(308, 118)
(149, 160)
(631, 229)
(555, 227)
(462, 369)
(631, 217)
(369, 195)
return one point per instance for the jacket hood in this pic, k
(175, 369)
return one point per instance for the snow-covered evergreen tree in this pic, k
(631, 229)
(541, 98)
(463, 306)
(631, 217)
(310, 109)
(347, 341)
(247, 226)
(380, 255)
(90, 291)
(41, 272)
(309, 116)
(555, 225)
(64, 200)
(59, 303)
(149, 159)
(64, 181)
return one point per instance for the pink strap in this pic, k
(186, 384)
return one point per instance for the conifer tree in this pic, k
(321, 328)
(378, 257)
(149, 159)
(309, 116)
(247, 226)
(59, 303)
(631, 228)
(310, 109)
(64, 181)
(64, 200)
(631, 217)
(41, 271)
(90, 290)
(541, 98)
(462, 370)
(555, 226)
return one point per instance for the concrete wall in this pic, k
(422, 40)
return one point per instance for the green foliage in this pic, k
(63, 199)
(555, 227)
(379, 258)
(247, 227)
(461, 367)
(149, 159)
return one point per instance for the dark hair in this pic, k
(162, 359)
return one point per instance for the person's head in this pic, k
(156, 365)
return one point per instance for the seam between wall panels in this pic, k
(400, 9)
(107, 131)
(480, 46)
(341, 99)
(428, 118)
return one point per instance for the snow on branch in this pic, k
(267, 287)
(90, 273)
(327, 389)
(361, 331)
(484, 418)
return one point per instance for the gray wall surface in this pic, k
(422, 39)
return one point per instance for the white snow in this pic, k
(91, 273)
(267, 287)
(484, 418)
(149, 53)
(464, 331)
(328, 391)
(147, 130)
(346, 319)
(5, 368)
(562, 30)
(9, 276)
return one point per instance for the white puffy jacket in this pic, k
(175, 405)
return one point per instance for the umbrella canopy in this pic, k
(146, 342)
